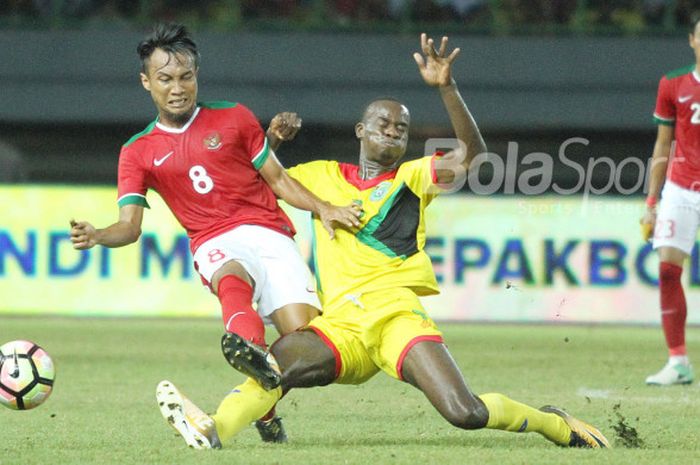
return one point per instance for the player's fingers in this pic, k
(453, 55)
(424, 42)
(329, 228)
(419, 60)
(431, 48)
(73, 223)
(443, 46)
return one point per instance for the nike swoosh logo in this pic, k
(228, 323)
(160, 161)
(684, 99)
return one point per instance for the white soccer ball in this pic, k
(26, 375)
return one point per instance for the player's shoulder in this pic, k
(679, 72)
(219, 105)
(417, 164)
(139, 137)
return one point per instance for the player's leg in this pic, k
(305, 361)
(674, 237)
(287, 298)
(430, 367)
(673, 317)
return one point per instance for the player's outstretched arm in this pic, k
(298, 196)
(123, 232)
(659, 162)
(435, 67)
(283, 127)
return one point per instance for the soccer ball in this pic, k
(26, 375)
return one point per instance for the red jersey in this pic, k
(206, 171)
(678, 103)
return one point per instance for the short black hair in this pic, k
(379, 99)
(694, 20)
(172, 38)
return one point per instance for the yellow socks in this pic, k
(242, 406)
(509, 415)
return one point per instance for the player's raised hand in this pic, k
(82, 235)
(347, 217)
(646, 224)
(434, 64)
(283, 127)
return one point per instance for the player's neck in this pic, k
(371, 169)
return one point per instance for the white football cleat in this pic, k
(672, 374)
(196, 427)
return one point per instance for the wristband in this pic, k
(651, 202)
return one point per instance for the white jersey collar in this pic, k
(182, 129)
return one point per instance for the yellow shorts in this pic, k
(374, 331)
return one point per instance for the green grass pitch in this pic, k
(103, 411)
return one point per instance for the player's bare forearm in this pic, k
(463, 123)
(85, 236)
(659, 160)
(659, 163)
(118, 234)
(125, 231)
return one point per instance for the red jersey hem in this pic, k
(409, 346)
(334, 349)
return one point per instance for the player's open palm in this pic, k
(82, 235)
(332, 217)
(434, 64)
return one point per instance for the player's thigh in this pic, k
(229, 247)
(677, 219)
(353, 364)
(406, 324)
(288, 279)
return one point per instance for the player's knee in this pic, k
(466, 415)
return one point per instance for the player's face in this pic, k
(694, 40)
(383, 132)
(172, 81)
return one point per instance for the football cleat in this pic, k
(582, 434)
(196, 427)
(271, 430)
(251, 360)
(671, 374)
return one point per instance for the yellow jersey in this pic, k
(386, 251)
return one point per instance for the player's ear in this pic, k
(145, 82)
(359, 130)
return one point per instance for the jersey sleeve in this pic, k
(131, 180)
(254, 140)
(420, 177)
(665, 111)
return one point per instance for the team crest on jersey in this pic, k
(213, 141)
(380, 191)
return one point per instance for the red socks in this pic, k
(673, 307)
(236, 297)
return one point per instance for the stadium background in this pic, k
(533, 73)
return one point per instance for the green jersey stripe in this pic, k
(664, 121)
(365, 235)
(133, 199)
(145, 132)
(260, 158)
